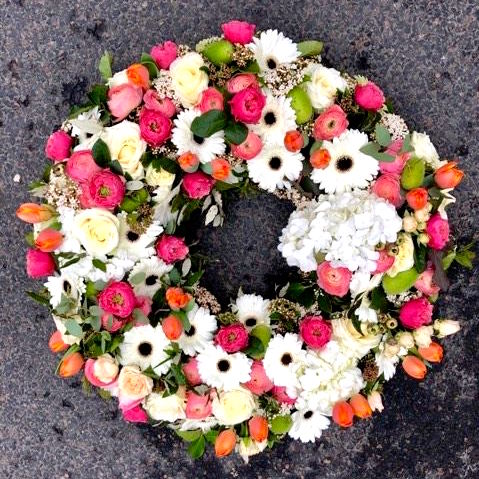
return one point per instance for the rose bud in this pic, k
(375, 401)
(438, 231)
(343, 414)
(172, 327)
(330, 124)
(71, 365)
(135, 415)
(238, 32)
(190, 370)
(56, 343)
(259, 382)
(395, 167)
(102, 372)
(48, 240)
(384, 262)
(448, 176)
(293, 140)
(433, 353)
(249, 148)
(138, 75)
(361, 406)
(197, 185)
(240, 82)
(320, 158)
(225, 443)
(81, 166)
(33, 213)
(123, 99)
(188, 162)
(39, 264)
(369, 96)
(258, 428)
(220, 169)
(417, 198)
(198, 406)
(171, 249)
(58, 146)
(155, 127)
(219, 52)
(333, 280)
(414, 367)
(164, 54)
(211, 99)
(163, 105)
(177, 298)
(446, 327)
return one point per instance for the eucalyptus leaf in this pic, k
(73, 328)
(189, 436)
(99, 264)
(383, 136)
(236, 133)
(208, 123)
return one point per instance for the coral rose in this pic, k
(432, 353)
(190, 370)
(384, 262)
(123, 99)
(171, 249)
(118, 299)
(58, 146)
(81, 166)
(293, 140)
(320, 158)
(56, 343)
(369, 96)
(33, 213)
(172, 327)
(211, 99)
(164, 54)
(188, 162)
(417, 198)
(315, 331)
(334, 281)
(225, 443)
(198, 406)
(247, 105)
(258, 428)
(416, 313)
(155, 127)
(197, 185)
(163, 105)
(106, 189)
(48, 240)
(400, 159)
(71, 365)
(138, 75)
(237, 31)
(425, 282)
(360, 406)
(232, 338)
(220, 169)
(249, 148)
(39, 263)
(241, 81)
(387, 186)
(330, 124)
(438, 232)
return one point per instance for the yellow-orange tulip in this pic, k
(48, 240)
(343, 414)
(361, 406)
(258, 428)
(71, 365)
(138, 75)
(33, 213)
(225, 443)
(414, 367)
(56, 343)
(433, 353)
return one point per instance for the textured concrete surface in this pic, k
(425, 55)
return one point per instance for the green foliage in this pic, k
(101, 153)
(310, 48)
(374, 149)
(105, 66)
(235, 132)
(383, 137)
(208, 123)
(147, 60)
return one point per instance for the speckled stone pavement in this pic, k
(424, 53)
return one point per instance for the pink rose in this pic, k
(236, 31)
(107, 190)
(211, 99)
(416, 313)
(259, 383)
(232, 338)
(123, 99)
(369, 96)
(143, 303)
(331, 123)
(58, 146)
(334, 281)
(425, 282)
(39, 263)
(112, 323)
(384, 262)
(315, 331)
(241, 81)
(118, 299)
(248, 104)
(163, 105)
(387, 186)
(438, 232)
(400, 159)
(190, 370)
(135, 414)
(198, 406)
(249, 148)
(155, 127)
(90, 375)
(197, 185)
(279, 393)
(164, 54)
(85, 198)
(171, 248)
(81, 166)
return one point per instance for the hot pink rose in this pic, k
(232, 338)
(198, 406)
(249, 148)
(155, 127)
(58, 146)
(259, 383)
(123, 99)
(241, 81)
(197, 185)
(190, 370)
(90, 375)
(107, 190)
(164, 54)
(211, 99)
(171, 248)
(425, 283)
(135, 414)
(369, 96)
(334, 281)
(438, 232)
(384, 262)
(400, 159)
(315, 331)
(81, 166)
(163, 105)
(279, 393)
(416, 313)
(236, 31)
(248, 104)
(39, 263)
(331, 123)
(118, 299)
(387, 186)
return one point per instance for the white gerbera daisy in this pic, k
(274, 167)
(277, 118)
(219, 369)
(66, 284)
(272, 49)
(200, 334)
(116, 268)
(308, 425)
(145, 346)
(251, 310)
(149, 271)
(348, 168)
(183, 138)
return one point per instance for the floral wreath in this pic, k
(176, 134)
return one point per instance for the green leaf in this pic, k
(98, 94)
(281, 424)
(183, 317)
(194, 278)
(95, 323)
(116, 167)
(448, 259)
(105, 66)
(383, 136)
(255, 348)
(315, 146)
(73, 328)
(137, 278)
(211, 436)
(373, 149)
(175, 276)
(223, 186)
(99, 264)
(189, 436)
(39, 298)
(236, 133)
(420, 257)
(147, 60)
(166, 164)
(101, 153)
(310, 48)
(197, 448)
(378, 300)
(208, 123)
(29, 238)
(439, 277)
(140, 317)
(406, 144)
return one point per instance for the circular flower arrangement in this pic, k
(175, 135)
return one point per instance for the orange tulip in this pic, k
(417, 198)
(138, 75)
(33, 213)
(221, 169)
(343, 414)
(172, 327)
(448, 176)
(361, 406)
(177, 298)
(71, 365)
(48, 240)
(225, 443)
(188, 162)
(293, 141)
(56, 343)
(414, 367)
(433, 353)
(320, 158)
(258, 428)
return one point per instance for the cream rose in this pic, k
(234, 406)
(159, 177)
(404, 259)
(424, 149)
(248, 447)
(126, 146)
(133, 384)
(97, 231)
(323, 85)
(187, 79)
(405, 339)
(351, 340)
(169, 408)
(422, 336)
(105, 368)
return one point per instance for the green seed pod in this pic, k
(413, 173)
(392, 323)
(301, 104)
(219, 52)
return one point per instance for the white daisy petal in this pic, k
(308, 425)
(251, 310)
(203, 325)
(153, 269)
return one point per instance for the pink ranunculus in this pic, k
(259, 383)
(236, 31)
(90, 375)
(163, 105)
(416, 313)
(155, 127)
(81, 166)
(400, 159)
(190, 370)
(438, 231)
(334, 281)
(232, 338)
(279, 393)
(425, 283)
(241, 81)
(123, 99)
(330, 124)
(171, 249)
(211, 99)
(58, 146)
(107, 190)
(164, 54)
(118, 299)
(387, 186)
(39, 263)
(111, 323)
(369, 96)
(85, 198)
(248, 104)
(197, 185)
(384, 262)
(315, 331)
(135, 414)
(249, 148)
(198, 406)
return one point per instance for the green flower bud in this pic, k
(219, 52)
(413, 173)
(401, 282)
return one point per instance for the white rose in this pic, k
(351, 341)
(422, 336)
(159, 177)
(249, 447)
(234, 406)
(126, 146)
(323, 85)
(187, 79)
(169, 408)
(105, 368)
(97, 231)
(404, 259)
(424, 149)
(445, 327)
(119, 78)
